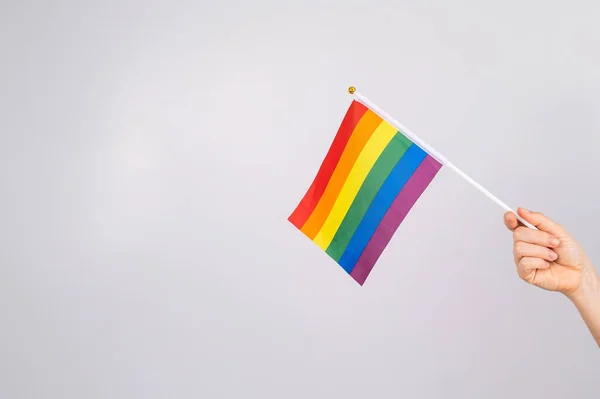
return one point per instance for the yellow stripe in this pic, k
(367, 158)
(360, 136)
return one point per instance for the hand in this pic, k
(549, 257)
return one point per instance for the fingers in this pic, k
(537, 237)
(541, 221)
(510, 221)
(527, 265)
(527, 250)
(533, 249)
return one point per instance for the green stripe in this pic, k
(377, 175)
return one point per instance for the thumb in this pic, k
(542, 222)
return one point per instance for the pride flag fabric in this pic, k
(368, 182)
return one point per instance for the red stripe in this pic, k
(317, 188)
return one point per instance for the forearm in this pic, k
(587, 302)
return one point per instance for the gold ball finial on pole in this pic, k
(351, 89)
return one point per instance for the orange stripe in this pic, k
(363, 131)
(317, 188)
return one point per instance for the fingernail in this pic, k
(554, 241)
(553, 255)
(525, 210)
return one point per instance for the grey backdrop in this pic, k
(151, 152)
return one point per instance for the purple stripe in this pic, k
(405, 200)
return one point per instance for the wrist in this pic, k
(589, 287)
(587, 300)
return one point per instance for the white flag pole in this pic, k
(427, 148)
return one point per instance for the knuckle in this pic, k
(529, 263)
(517, 232)
(519, 247)
(523, 263)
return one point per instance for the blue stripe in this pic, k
(403, 170)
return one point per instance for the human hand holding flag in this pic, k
(549, 257)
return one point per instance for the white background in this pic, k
(150, 153)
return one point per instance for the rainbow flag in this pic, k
(368, 182)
